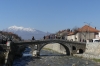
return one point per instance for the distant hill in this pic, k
(26, 33)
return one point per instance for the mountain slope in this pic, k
(26, 33)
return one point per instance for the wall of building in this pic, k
(87, 36)
(97, 36)
(65, 37)
(81, 36)
(71, 38)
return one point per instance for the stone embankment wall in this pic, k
(92, 51)
(93, 48)
(15, 53)
(56, 47)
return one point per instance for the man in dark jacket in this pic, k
(33, 38)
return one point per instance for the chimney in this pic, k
(71, 30)
(95, 27)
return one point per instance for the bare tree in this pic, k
(75, 29)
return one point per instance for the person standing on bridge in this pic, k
(49, 36)
(44, 37)
(33, 38)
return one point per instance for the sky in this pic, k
(49, 15)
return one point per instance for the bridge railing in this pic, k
(46, 40)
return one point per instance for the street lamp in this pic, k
(88, 29)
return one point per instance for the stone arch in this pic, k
(73, 48)
(66, 48)
(80, 51)
(1, 48)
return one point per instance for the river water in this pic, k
(51, 58)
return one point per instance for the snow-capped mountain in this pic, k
(26, 33)
(16, 28)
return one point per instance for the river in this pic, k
(51, 58)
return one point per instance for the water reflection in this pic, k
(27, 52)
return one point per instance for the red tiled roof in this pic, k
(88, 29)
(71, 33)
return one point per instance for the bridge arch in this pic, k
(80, 51)
(1, 48)
(73, 48)
(65, 47)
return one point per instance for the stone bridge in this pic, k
(15, 48)
(70, 47)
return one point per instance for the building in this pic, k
(83, 34)
(62, 34)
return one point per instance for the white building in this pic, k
(83, 34)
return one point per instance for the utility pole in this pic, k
(47, 32)
(88, 29)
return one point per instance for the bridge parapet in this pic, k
(47, 41)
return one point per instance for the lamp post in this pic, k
(88, 29)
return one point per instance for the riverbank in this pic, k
(84, 56)
(89, 57)
(92, 52)
(52, 58)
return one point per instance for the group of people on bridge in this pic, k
(53, 37)
(50, 37)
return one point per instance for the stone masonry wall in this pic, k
(93, 48)
(56, 47)
(92, 51)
